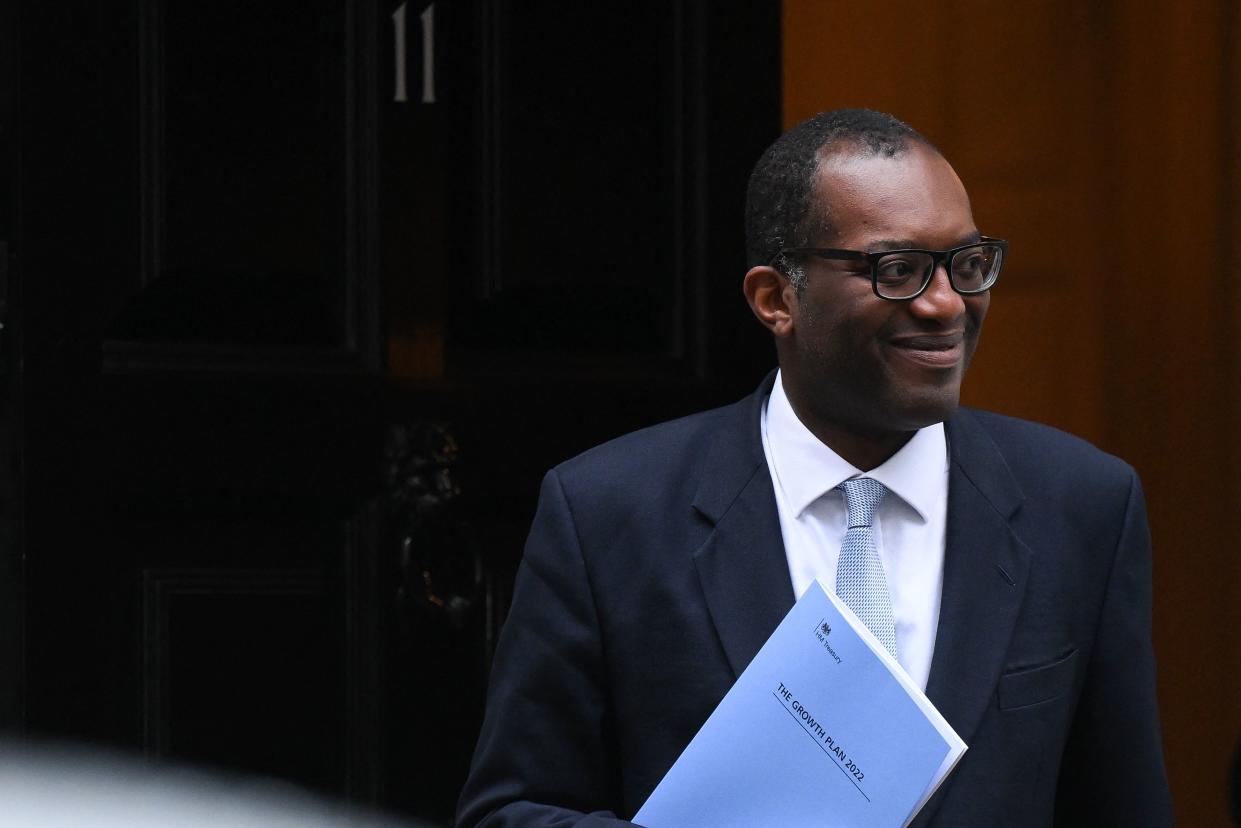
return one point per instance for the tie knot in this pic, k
(862, 497)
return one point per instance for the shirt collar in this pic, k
(806, 468)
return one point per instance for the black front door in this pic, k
(299, 301)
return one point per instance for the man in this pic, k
(1015, 559)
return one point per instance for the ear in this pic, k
(770, 296)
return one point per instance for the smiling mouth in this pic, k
(936, 351)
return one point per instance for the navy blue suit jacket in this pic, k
(655, 570)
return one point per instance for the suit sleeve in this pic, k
(1113, 769)
(545, 754)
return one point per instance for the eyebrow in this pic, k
(904, 244)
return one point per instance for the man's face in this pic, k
(864, 364)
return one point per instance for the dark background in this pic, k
(285, 356)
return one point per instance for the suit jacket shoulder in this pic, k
(676, 448)
(1052, 468)
(1030, 445)
(670, 471)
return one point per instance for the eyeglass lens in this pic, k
(973, 269)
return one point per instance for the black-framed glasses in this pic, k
(900, 275)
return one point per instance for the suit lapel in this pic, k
(742, 566)
(744, 572)
(985, 568)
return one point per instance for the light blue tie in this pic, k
(860, 581)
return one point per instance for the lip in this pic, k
(932, 350)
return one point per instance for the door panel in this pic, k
(251, 247)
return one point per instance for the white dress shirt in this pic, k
(908, 528)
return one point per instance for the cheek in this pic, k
(828, 333)
(976, 308)
(843, 331)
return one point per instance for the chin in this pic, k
(924, 410)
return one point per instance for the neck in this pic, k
(862, 448)
(862, 451)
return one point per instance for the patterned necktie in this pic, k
(860, 581)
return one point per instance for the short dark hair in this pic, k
(780, 194)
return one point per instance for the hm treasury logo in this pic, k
(821, 632)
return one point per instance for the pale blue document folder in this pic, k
(823, 728)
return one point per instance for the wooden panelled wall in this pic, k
(1104, 140)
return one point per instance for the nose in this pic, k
(939, 301)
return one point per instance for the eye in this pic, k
(899, 268)
(971, 268)
(968, 267)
